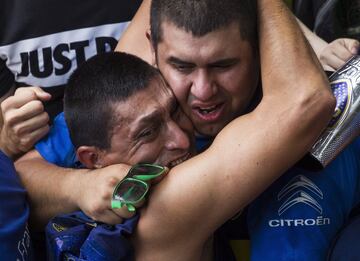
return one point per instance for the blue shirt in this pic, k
(15, 241)
(299, 215)
(57, 147)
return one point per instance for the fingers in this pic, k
(345, 48)
(125, 213)
(97, 190)
(29, 140)
(333, 61)
(24, 119)
(352, 45)
(33, 93)
(98, 186)
(32, 112)
(336, 53)
(24, 95)
(109, 217)
(32, 124)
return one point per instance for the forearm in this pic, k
(290, 69)
(50, 188)
(315, 41)
(134, 39)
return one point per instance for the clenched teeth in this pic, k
(207, 110)
(178, 161)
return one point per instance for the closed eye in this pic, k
(183, 68)
(225, 64)
(180, 65)
(150, 132)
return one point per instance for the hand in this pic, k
(94, 193)
(336, 53)
(24, 120)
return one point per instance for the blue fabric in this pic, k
(77, 237)
(202, 143)
(300, 214)
(345, 245)
(15, 243)
(57, 147)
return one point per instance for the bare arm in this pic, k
(53, 190)
(252, 151)
(315, 41)
(134, 39)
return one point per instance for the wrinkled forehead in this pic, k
(167, 26)
(156, 97)
(225, 43)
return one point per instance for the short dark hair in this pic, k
(93, 90)
(201, 17)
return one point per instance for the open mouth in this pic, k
(210, 113)
(179, 160)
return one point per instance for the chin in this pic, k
(210, 131)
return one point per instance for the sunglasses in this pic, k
(133, 188)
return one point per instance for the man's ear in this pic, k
(89, 156)
(153, 53)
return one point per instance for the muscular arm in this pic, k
(199, 195)
(47, 187)
(134, 39)
(53, 190)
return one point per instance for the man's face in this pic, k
(152, 128)
(214, 77)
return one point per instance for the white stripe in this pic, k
(11, 53)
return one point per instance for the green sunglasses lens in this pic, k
(133, 187)
(146, 169)
(130, 191)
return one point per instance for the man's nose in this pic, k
(177, 138)
(203, 86)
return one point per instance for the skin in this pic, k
(242, 157)
(142, 141)
(23, 120)
(157, 131)
(338, 52)
(213, 78)
(331, 55)
(56, 197)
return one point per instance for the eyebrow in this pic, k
(155, 115)
(225, 61)
(177, 61)
(150, 117)
(144, 122)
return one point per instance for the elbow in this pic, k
(327, 104)
(318, 105)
